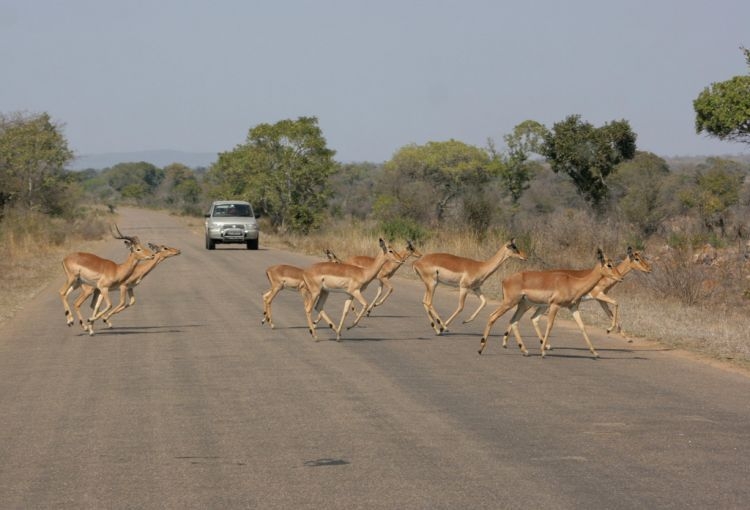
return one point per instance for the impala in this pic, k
(325, 277)
(127, 298)
(385, 274)
(103, 274)
(633, 261)
(556, 289)
(285, 276)
(464, 273)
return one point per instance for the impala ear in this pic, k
(630, 252)
(600, 255)
(382, 245)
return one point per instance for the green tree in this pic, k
(514, 170)
(723, 109)
(137, 180)
(636, 187)
(588, 154)
(33, 156)
(716, 189)
(423, 181)
(283, 169)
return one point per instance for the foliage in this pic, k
(515, 171)
(283, 169)
(352, 189)
(716, 189)
(723, 109)
(33, 155)
(423, 181)
(636, 187)
(588, 155)
(403, 228)
(134, 181)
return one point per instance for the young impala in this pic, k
(556, 289)
(464, 273)
(103, 274)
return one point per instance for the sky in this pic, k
(196, 76)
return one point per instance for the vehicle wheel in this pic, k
(252, 244)
(210, 243)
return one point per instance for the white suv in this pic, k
(231, 221)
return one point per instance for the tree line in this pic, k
(289, 173)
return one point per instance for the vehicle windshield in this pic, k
(233, 210)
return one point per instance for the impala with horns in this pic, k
(634, 261)
(103, 274)
(464, 273)
(556, 289)
(285, 276)
(127, 299)
(386, 273)
(326, 277)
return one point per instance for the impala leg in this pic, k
(553, 309)
(124, 292)
(358, 296)
(374, 302)
(494, 316)
(309, 305)
(344, 313)
(86, 291)
(535, 322)
(521, 309)
(268, 297)
(604, 301)
(482, 302)
(388, 291)
(66, 289)
(462, 293)
(579, 321)
(435, 322)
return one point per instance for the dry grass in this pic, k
(717, 329)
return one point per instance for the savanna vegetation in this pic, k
(561, 191)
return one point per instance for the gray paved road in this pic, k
(188, 402)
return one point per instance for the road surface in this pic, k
(189, 402)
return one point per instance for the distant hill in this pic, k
(158, 158)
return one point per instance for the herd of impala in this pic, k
(543, 291)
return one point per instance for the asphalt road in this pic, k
(189, 402)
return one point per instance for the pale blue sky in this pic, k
(197, 75)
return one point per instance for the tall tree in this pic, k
(723, 109)
(422, 181)
(33, 155)
(283, 168)
(515, 171)
(589, 154)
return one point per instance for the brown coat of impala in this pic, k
(326, 277)
(103, 274)
(464, 273)
(634, 260)
(555, 289)
(285, 276)
(386, 273)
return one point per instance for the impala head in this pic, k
(411, 250)
(638, 261)
(163, 251)
(390, 252)
(332, 256)
(513, 250)
(133, 244)
(608, 267)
